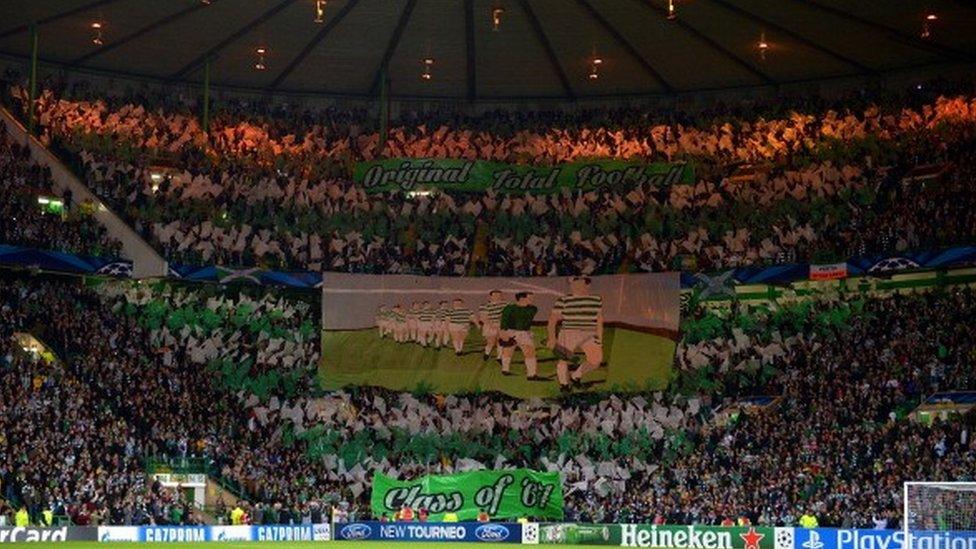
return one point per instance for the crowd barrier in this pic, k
(619, 535)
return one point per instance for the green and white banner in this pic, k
(513, 494)
(425, 174)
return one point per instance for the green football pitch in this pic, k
(283, 545)
(632, 361)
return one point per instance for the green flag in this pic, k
(508, 494)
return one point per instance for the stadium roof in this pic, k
(541, 48)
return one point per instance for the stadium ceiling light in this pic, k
(595, 68)
(930, 17)
(260, 64)
(205, 2)
(763, 45)
(672, 12)
(96, 27)
(496, 17)
(320, 10)
(428, 63)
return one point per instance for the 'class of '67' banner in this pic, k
(513, 493)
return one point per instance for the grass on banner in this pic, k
(633, 361)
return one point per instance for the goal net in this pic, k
(940, 515)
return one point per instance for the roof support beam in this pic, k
(52, 18)
(550, 53)
(805, 41)
(612, 31)
(391, 46)
(144, 30)
(316, 40)
(708, 40)
(893, 33)
(202, 58)
(469, 48)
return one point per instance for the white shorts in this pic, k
(522, 338)
(574, 339)
(425, 326)
(490, 332)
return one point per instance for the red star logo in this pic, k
(752, 538)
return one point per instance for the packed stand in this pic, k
(67, 449)
(269, 186)
(252, 340)
(30, 217)
(846, 371)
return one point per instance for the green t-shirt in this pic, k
(517, 317)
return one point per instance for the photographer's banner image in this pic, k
(527, 337)
(507, 494)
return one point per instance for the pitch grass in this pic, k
(633, 361)
(279, 545)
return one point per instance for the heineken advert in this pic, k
(667, 536)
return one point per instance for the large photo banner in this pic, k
(419, 174)
(527, 337)
(507, 494)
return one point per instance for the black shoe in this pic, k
(458, 353)
(485, 357)
(565, 389)
(535, 378)
(577, 383)
(504, 373)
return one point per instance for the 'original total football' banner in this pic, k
(414, 174)
(520, 336)
(507, 494)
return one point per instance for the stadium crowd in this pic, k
(121, 397)
(837, 442)
(32, 224)
(817, 183)
(160, 371)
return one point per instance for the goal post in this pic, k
(939, 515)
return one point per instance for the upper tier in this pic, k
(270, 187)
